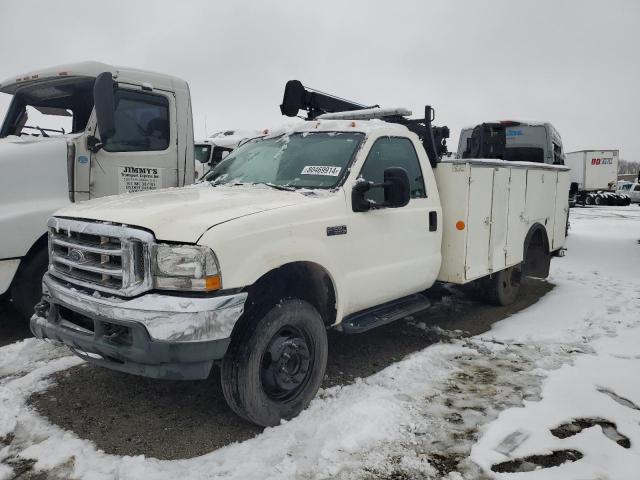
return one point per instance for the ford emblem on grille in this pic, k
(76, 255)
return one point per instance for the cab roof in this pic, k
(359, 126)
(91, 70)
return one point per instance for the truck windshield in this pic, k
(300, 160)
(49, 108)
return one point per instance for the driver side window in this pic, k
(141, 122)
(392, 152)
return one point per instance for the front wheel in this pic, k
(275, 363)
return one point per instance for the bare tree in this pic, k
(628, 166)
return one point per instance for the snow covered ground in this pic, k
(551, 393)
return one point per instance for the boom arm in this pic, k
(297, 97)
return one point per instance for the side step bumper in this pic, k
(386, 313)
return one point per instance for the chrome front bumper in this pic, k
(161, 336)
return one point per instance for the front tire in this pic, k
(26, 289)
(275, 363)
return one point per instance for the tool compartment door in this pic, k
(561, 211)
(541, 199)
(479, 221)
(499, 213)
(516, 226)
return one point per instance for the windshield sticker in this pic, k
(321, 170)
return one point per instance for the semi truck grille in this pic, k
(100, 256)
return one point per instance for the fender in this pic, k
(242, 264)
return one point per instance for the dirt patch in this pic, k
(129, 415)
(445, 464)
(576, 426)
(533, 462)
(625, 402)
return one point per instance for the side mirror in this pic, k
(397, 191)
(573, 188)
(104, 100)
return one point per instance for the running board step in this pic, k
(386, 313)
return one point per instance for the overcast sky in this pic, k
(573, 63)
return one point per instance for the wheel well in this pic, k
(307, 281)
(536, 256)
(39, 244)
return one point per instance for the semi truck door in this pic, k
(142, 153)
(394, 252)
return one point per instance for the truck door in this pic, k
(397, 251)
(142, 153)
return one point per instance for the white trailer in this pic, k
(596, 173)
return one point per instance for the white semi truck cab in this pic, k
(128, 130)
(213, 149)
(342, 221)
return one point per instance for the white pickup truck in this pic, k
(149, 146)
(340, 221)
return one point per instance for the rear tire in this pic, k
(598, 200)
(588, 200)
(26, 289)
(502, 288)
(275, 363)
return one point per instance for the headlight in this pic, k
(186, 267)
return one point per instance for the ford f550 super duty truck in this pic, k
(145, 142)
(341, 221)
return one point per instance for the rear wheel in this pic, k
(588, 200)
(26, 289)
(598, 200)
(275, 363)
(502, 288)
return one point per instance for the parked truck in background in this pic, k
(516, 141)
(144, 143)
(340, 221)
(211, 151)
(631, 189)
(596, 174)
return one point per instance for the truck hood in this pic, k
(184, 214)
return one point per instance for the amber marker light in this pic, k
(460, 225)
(212, 282)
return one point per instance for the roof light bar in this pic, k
(366, 114)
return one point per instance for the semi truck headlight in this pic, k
(186, 267)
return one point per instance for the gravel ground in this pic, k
(128, 415)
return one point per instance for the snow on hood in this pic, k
(184, 214)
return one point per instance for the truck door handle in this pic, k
(433, 221)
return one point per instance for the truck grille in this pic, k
(100, 256)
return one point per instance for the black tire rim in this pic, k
(511, 281)
(287, 364)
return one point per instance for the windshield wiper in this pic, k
(277, 187)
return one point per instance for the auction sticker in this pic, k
(137, 179)
(321, 170)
